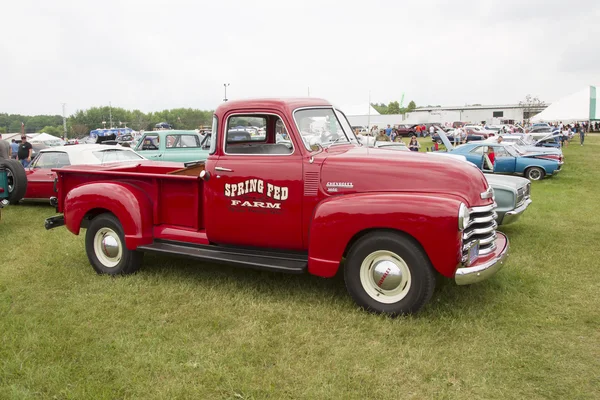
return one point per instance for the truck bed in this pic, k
(165, 183)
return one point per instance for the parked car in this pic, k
(40, 177)
(508, 160)
(173, 145)
(512, 195)
(534, 166)
(406, 130)
(526, 144)
(327, 202)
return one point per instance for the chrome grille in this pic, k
(523, 194)
(482, 228)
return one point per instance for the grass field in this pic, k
(181, 330)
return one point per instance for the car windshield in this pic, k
(116, 155)
(323, 127)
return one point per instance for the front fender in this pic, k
(128, 203)
(431, 219)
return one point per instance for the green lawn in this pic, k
(181, 330)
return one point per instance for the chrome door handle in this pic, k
(223, 169)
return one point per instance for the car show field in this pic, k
(190, 330)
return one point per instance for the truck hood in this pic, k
(361, 169)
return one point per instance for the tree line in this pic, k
(83, 121)
(393, 107)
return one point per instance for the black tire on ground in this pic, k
(17, 180)
(372, 279)
(105, 247)
(534, 173)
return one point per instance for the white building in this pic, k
(491, 114)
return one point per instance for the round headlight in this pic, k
(464, 217)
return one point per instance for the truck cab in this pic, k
(319, 201)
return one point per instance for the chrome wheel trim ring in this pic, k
(10, 180)
(535, 174)
(108, 247)
(385, 276)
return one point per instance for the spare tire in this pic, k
(17, 180)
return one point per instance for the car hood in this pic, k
(514, 182)
(362, 169)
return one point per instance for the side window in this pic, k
(42, 161)
(501, 152)
(52, 160)
(150, 142)
(189, 141)
(62, 160)
(257, 135)
(477, 150)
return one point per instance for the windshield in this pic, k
(324, 127)
(112, 155)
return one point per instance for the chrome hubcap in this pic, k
(10, 180)
(385, 276)
(535, 174)
(108, 247)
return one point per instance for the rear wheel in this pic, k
(534, 173)
(17, 180)
(388, 273)
(105, 247)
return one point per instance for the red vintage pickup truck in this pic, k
(288, 187)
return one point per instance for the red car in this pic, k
(40, 177)
(316, 204)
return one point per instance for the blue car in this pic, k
(508, 160)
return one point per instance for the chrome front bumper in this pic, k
(484, 266)
(514, 215)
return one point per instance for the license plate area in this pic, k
(473, 253)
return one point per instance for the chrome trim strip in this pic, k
(261, 155)
(481, 231)
(481, 220)
(482, 209)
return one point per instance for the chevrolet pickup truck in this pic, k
(391, 223)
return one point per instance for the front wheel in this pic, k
(388, 273)
(534, 173)
(105, 247)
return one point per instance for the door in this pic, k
(40, 178)
(254, 194)
(150, 146)
(476, 156)
(184, 148)
(505, 163)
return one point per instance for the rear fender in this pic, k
(128, 203)
(430, 219)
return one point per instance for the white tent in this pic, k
(47, 139)
(580, 106)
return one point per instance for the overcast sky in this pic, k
(153, 55)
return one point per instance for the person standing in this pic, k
(581, 134)
(431, 130)
(24, 152)
(418, 130)
(4, 149)
(14, 147)
(388, 130)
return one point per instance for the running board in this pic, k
(294, 263)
